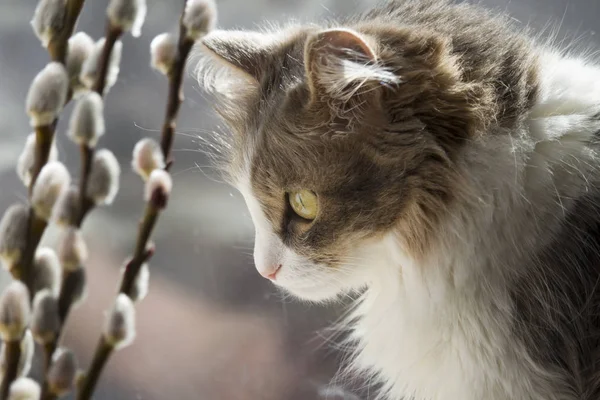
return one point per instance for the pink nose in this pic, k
(271, 273)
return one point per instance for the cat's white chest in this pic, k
(429, 340)
(439, 359)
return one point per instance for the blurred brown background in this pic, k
(210, 328)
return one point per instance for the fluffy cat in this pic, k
(444, 164)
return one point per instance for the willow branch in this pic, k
(36, 226)
(112, 35)
(23, 270)
(141, 255)
(65, 298)
(85, 204)
(44, 136)
(13, 355)
(151, 213)
(58, 46)
(66, 295)
(175, 96)
(87, 153)
(101, 356)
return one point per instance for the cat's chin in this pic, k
(314, 294)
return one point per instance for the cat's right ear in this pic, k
(231, 63)
(244, 51)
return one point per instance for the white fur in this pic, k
(343, 78)
(439, 328)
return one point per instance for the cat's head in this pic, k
(342, 140)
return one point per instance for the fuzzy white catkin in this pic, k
(45, 322)
(48, 19)
(103, 182)
(26, 160)
(163, 50)
(119, 325)
(24, 389)
(46, 271)
(53, 179)
(61, 375)
(141, 284)
(147, 156)
(66, 209)
(27, 351)
(127, 15)
(199, 17)
(89, 71)
(80, 47)
(13, 234)
(14, 311)
(72, 250)
(158, 187)
(86, 125)
(47, 94)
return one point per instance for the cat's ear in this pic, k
(230, 66)
(243, 51)
(342, 65)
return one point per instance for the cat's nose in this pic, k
(271, 272)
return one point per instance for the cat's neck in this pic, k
(441, 327)
(440, 333)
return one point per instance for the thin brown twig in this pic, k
(113, 34)
(101, 356)
(47, 357)
(141, 253)
(44, 135)
(13, 355)
(85, 204)
(175, 96)
(71, 283)
(87, 152)
(36, 226)
(59, 45)
(24, 269)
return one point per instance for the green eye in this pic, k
(304, 203)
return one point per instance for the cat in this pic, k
(442, 163)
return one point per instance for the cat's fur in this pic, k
(456, 165)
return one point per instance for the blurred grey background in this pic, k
(210, 328)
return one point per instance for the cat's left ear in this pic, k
(342, 65)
